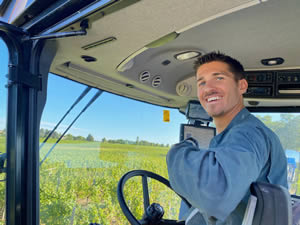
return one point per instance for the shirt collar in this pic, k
(236, 120)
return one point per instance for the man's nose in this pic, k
(209, 85)
(209, 89)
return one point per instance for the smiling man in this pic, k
(220, 92)
(216, 180)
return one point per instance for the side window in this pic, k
(3, 110)
(287, 128)
(79, 176)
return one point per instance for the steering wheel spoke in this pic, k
(154, 212)
(145, 192)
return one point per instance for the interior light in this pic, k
(187, 55)
(272, 61)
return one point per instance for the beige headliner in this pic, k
(247, 30)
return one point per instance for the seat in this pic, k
(273, 204)
(296, 211)
(268, 204)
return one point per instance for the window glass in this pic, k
(3, 110)
(287, 128)
(79, 176)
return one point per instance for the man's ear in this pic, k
(243, 86)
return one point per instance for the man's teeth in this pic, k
(213, 99)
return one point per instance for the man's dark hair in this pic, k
(234, 65)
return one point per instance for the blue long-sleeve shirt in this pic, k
(217, 180)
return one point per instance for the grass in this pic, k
(84, 176)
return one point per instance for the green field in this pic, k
(78, 182)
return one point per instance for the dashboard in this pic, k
(273, 84)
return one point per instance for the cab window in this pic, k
(79, 176)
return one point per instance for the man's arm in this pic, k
(215, 180)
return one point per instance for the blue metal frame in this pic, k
(22, 186)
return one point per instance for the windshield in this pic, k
(78, 180)
(79, 176)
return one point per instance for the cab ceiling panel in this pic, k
(263, 31)
(260, 32)
(131, 29)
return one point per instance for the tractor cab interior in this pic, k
(94, 89)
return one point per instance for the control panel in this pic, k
(267, 84)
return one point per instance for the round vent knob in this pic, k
(183, 89)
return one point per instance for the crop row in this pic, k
(78, 183)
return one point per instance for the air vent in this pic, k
(145, 76)
(156, 81)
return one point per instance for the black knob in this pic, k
(154, 213)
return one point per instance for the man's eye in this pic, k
(201, 83)
(220, 78)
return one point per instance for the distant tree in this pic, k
(42, 132)
(55, 135)
(287, 128)
(47, 132)
(69, 137)
(137, 140)
(90, 138)
(79, 138)
(3, 132)
(120, 141)
(103, 140)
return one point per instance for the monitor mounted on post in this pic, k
(198, 125)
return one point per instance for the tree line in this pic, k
(287, 128)
(45, 132)
(55, 135)
(137, 142)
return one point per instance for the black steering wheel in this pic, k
(152, 213)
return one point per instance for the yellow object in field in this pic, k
(166, 115)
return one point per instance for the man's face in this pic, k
(218, 92)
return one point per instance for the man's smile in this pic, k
(213, 99)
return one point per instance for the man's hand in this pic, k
(193, 141)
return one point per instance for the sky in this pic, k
(110, 116)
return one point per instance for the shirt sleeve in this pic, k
(215, 180)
